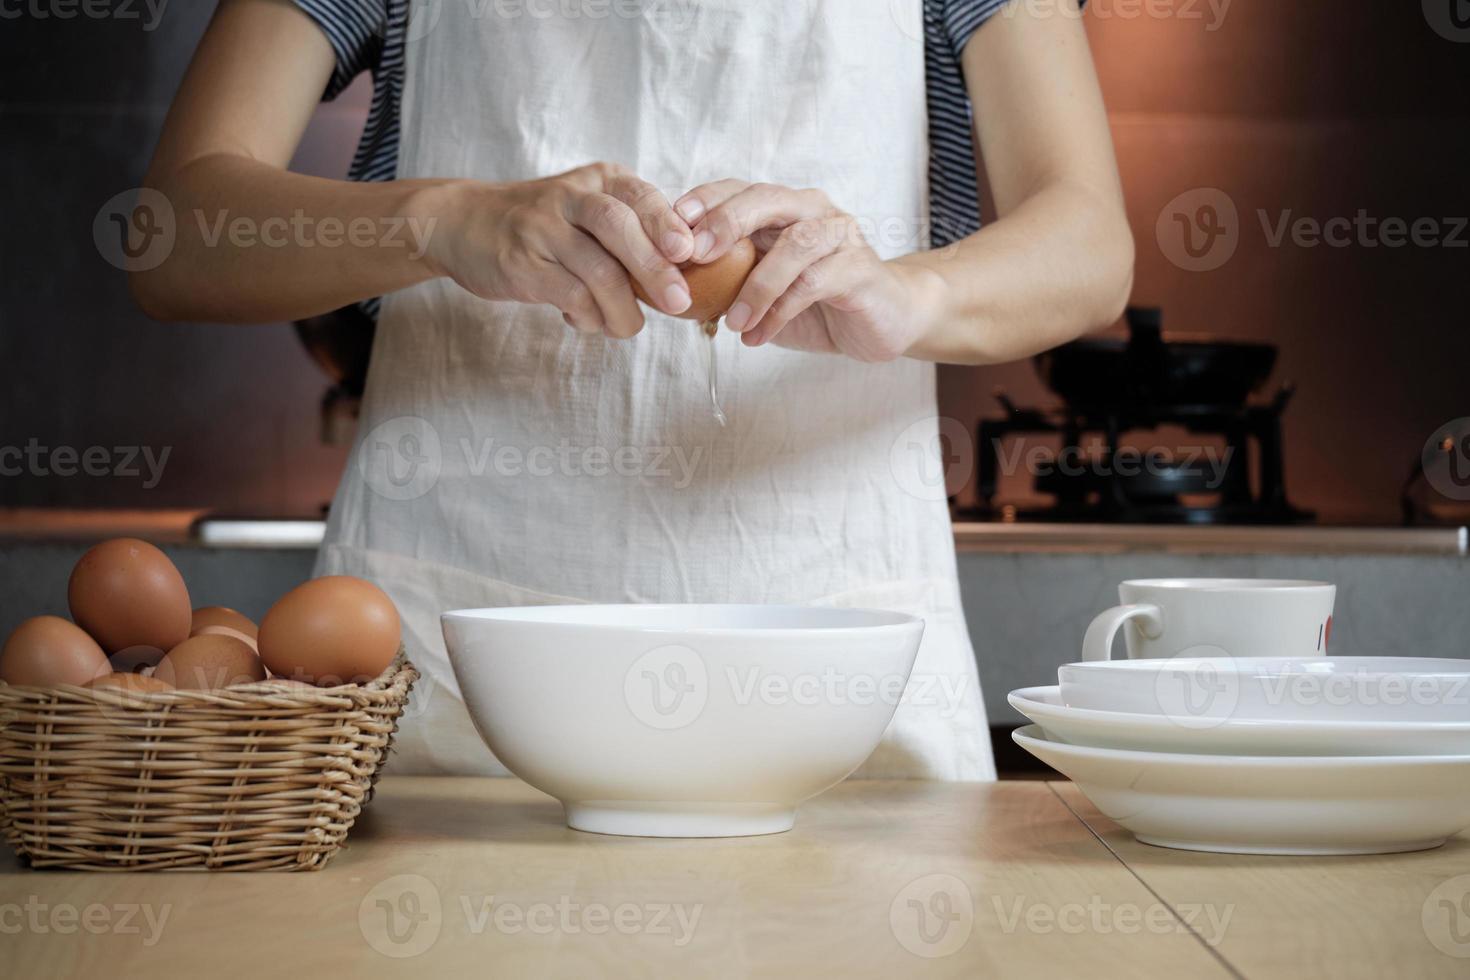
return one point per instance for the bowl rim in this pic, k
(1036, 733)
(1037, 696)
(1223, 583)
(1257, 667)
(534, 616)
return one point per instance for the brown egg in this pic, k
(126, 592)
(48, 650)
(138, 683)
(210, 662)
(246, 638)
(714, 285)
(332, 630)
(135, 660)
(224, 621)
(206, 616)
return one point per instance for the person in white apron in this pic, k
(504, 459)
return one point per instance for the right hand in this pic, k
(571, 240)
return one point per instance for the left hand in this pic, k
(818, 285)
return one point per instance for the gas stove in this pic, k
(1209, 453)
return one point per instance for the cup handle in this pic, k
(1098, 643)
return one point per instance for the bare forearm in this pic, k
(253, 241)
(258, 243)
(1058, 261)
(1058, 266)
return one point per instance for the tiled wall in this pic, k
(1320, 109)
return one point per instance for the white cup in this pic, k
(1215, 617)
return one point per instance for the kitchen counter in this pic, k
(1306, 539)
(454, 877)
(180, 527)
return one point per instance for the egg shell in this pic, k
(207, 616)
(333, 630)
(246, 638)
(45, 651)
(125, 592)
(135, 660)
(713, 286)
(140, 683)
(210, 662)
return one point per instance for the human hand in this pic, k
(571, 240)
(819, 285)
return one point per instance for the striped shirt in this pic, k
(369, 35)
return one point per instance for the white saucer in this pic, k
(1235, 736)
(1269, 805)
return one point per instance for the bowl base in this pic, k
(1396, 847)
(638, 818)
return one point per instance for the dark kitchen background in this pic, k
(1284, 111)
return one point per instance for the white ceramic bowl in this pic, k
(1204, 692)
(1269, 805)
(1236, 736)
(681, 720)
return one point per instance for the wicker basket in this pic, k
(251, 778)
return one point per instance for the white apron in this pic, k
(507, 460)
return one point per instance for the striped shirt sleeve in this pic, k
(356, 30)
(960, 19)
(954, 199)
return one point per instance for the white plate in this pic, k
(1269, 805)
(1236, 736)
(1204, 691)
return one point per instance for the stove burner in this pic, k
(1111, 387)
(1096, 477)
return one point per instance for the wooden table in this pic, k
(459, 877)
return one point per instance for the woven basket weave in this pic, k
(255, 777)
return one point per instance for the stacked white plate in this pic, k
(1347, 755)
